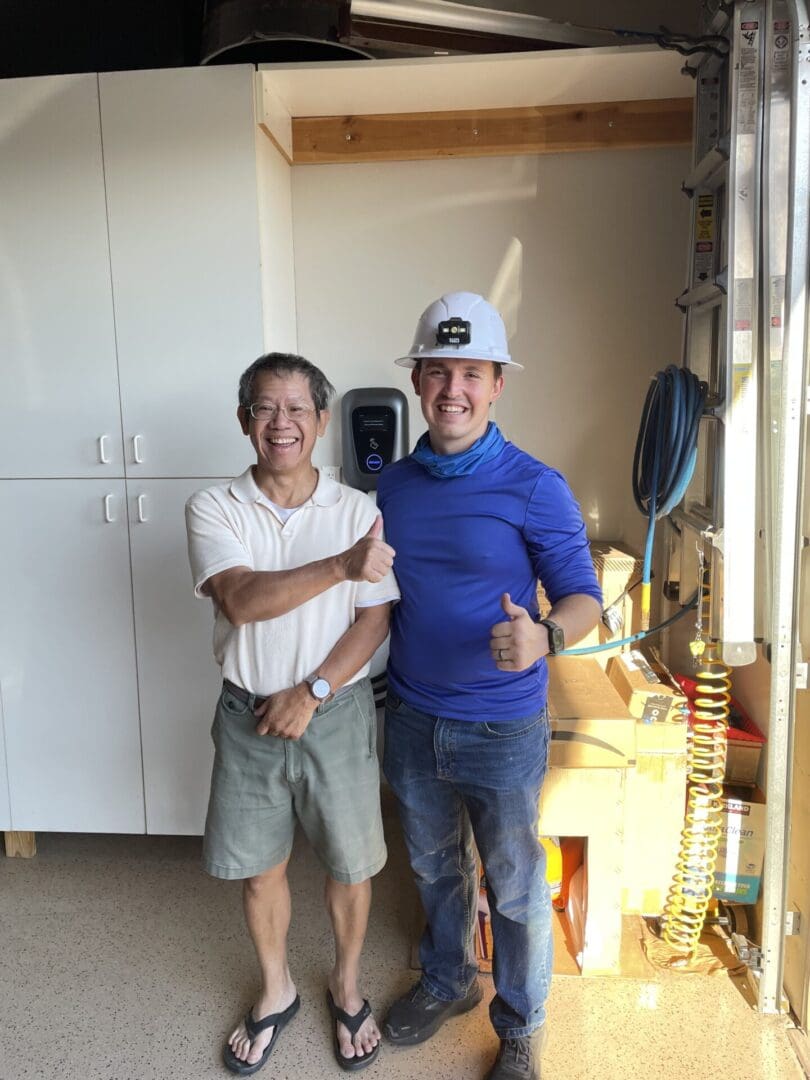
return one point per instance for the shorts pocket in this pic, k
(231, 704)
(392, 702)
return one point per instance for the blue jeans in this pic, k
(465, 784)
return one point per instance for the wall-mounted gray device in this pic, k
(375, 433)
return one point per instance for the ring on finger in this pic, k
(500, 654)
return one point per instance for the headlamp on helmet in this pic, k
(453, 332)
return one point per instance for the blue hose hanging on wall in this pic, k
(665, 455)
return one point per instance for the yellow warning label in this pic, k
(741, 382)
(704, 218)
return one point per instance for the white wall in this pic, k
(583, 252)
(276, 241)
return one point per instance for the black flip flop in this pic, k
(254, 1028)
(353, 1023)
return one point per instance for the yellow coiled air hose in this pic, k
(693, 881)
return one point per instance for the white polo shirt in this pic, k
(235, 524)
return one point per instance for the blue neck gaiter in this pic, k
(445, 465)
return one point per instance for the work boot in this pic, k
(417, 1015)
(519, 1059)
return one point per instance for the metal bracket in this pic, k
(698, 520)
(709, 173)
(801, 675)
(708, 294)
(793, 923)
(749, 954)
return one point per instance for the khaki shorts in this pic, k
(329, 780)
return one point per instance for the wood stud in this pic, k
(21, 845)
(551, 129)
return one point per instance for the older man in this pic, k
(301, 584)
(475, 522)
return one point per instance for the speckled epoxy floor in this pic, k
(121, 960)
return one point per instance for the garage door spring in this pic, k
(693, 881)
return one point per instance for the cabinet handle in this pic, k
(136, 449)
(102, 450)
(107, 512)
(141, 515)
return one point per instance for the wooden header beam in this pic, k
(551, 129)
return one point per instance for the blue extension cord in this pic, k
(666, 451)
(663, 464)
(691, 604)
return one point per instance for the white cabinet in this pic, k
(171, 306)
(177, 675)
(180, 165)
(59, 407)
(5, 802)
(130, 302)
(69, 691)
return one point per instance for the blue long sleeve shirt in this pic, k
(461, 542)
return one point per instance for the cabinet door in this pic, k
(5, 804)
(59, 404)
(180, 163)
(177, 676)
(67, 657)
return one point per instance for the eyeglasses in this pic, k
(295, 411)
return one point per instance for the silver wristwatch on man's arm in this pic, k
(319, 687)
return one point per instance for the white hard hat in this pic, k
(460, 325)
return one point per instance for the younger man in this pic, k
(475, 522)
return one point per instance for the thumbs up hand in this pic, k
(519, 642)
(375, 532)
(370, 558)
(514, 611)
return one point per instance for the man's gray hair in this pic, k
(277, 363)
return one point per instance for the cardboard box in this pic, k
(738, 871)
(646, 696)
(742, 757)
(655, 791)
(590, 724)
(590, 803)
(744, 746)
(655, 799)
(617, 567)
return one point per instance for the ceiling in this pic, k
(40, 37)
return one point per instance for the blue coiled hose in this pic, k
(665, 455)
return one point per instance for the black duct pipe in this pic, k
(276, 31)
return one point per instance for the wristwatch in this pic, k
(319, 687)
(556, 637)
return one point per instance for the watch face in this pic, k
(320, 688)
(556, 637)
